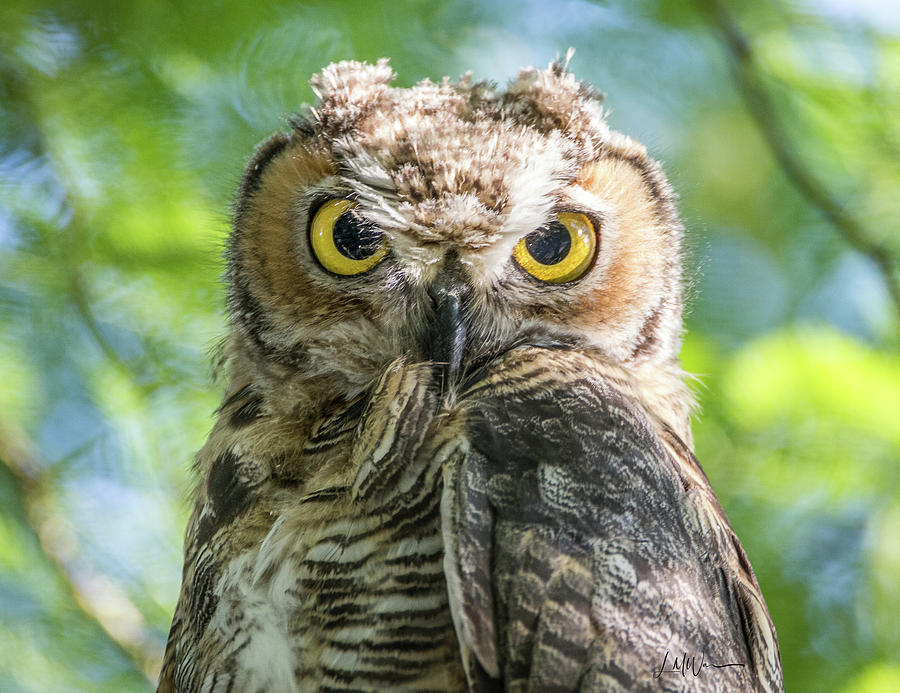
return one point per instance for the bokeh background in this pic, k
(124, 127)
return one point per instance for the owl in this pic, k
(454, 452)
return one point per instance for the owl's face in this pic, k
(448, 222)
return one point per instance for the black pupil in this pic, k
(550, 244)
(355, 239)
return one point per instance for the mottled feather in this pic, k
(563, 580)
(442, 473)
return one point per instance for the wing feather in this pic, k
(583, 542)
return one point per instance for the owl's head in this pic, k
(449, 222)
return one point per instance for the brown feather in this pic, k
(522, 514)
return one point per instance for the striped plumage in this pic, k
(440, 473)
(320, 578)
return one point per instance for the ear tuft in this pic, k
(552, 99)
(352, 81)
(347, 91)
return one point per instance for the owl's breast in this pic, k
(336, 583)
(358, 602)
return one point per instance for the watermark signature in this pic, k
(687, 665)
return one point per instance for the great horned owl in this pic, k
(454, 451)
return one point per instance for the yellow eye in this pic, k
(558, 252)
(342, 242)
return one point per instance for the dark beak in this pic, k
(446, 335)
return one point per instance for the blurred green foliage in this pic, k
(123, 131)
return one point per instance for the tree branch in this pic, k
(762, 108)
(98, 598)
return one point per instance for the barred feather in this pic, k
(443, 474)
(558, 578)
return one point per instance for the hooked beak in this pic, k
(446, 335)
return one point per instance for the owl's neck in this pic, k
(658, 385)
(663, 391)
